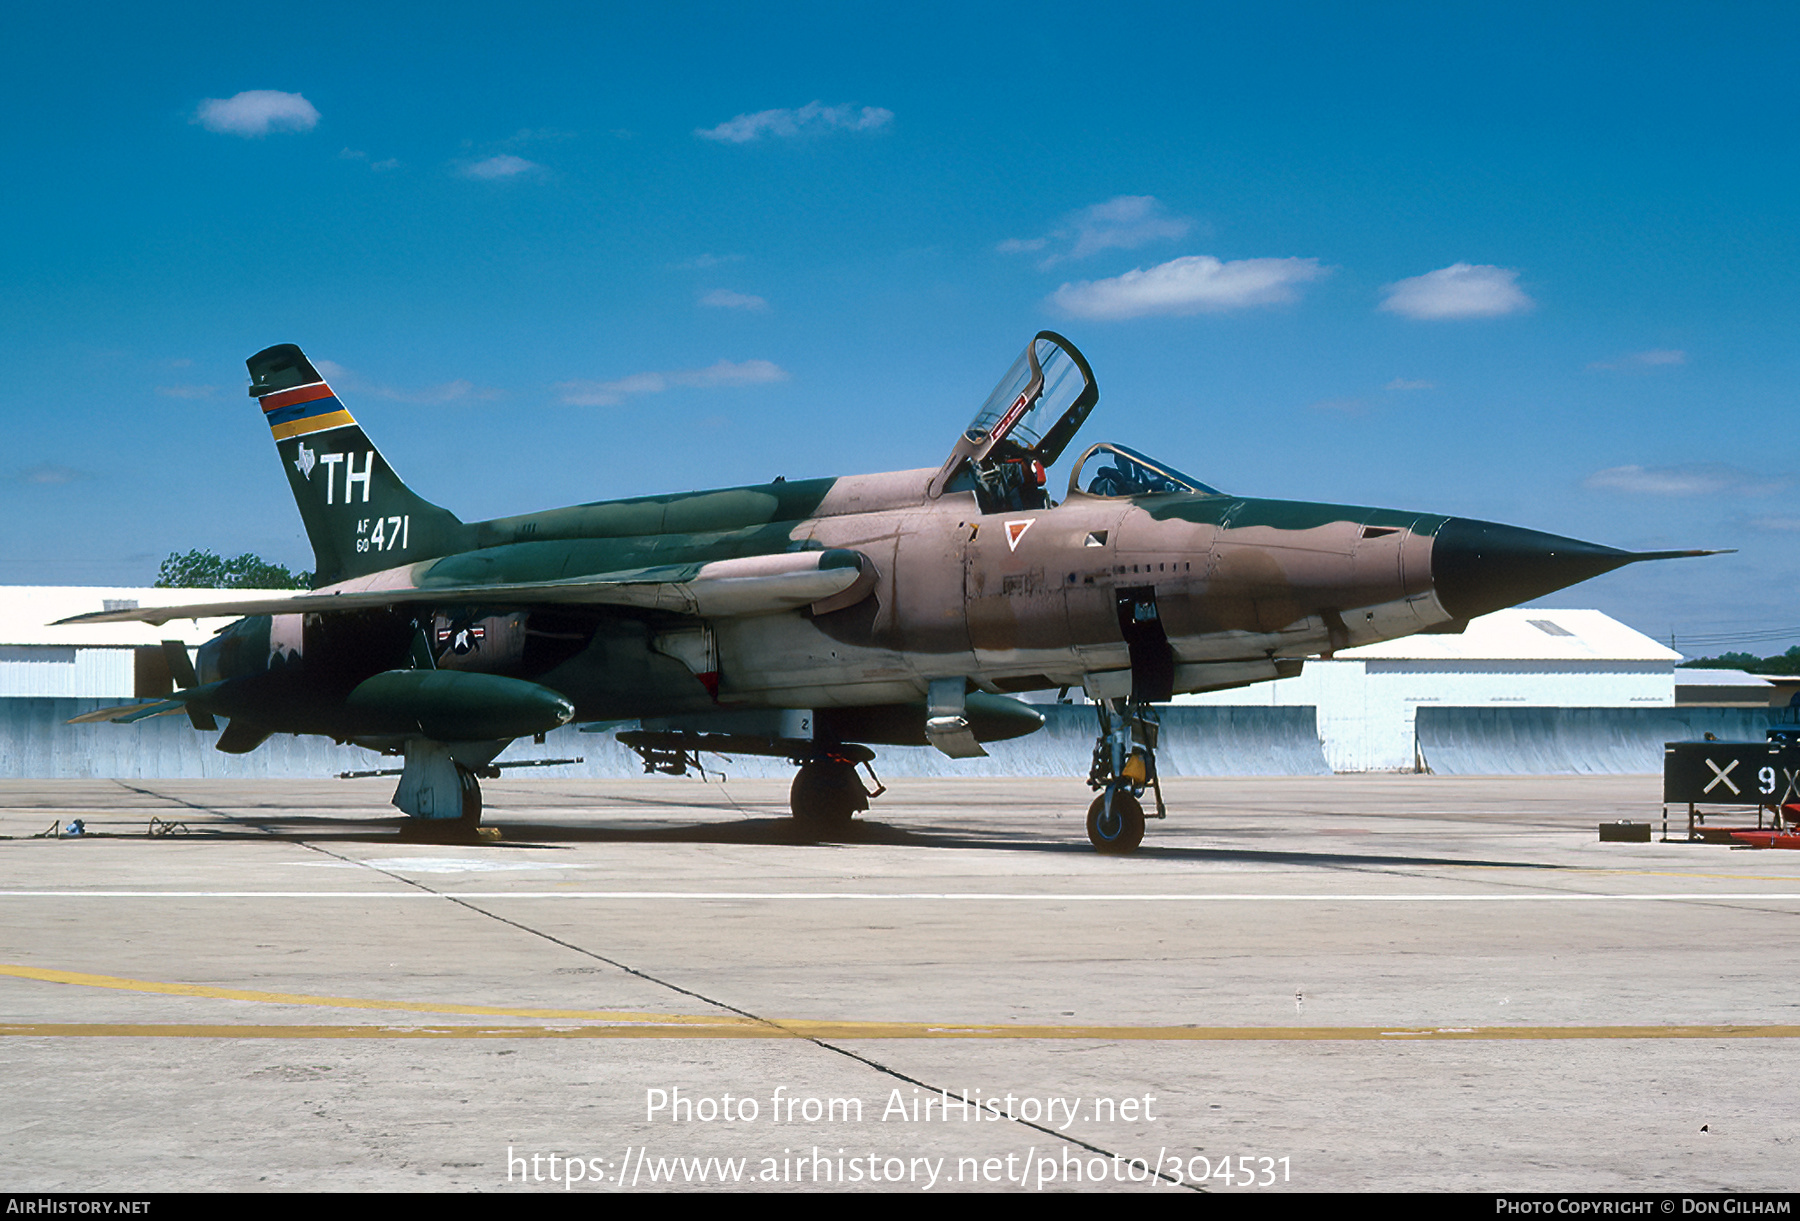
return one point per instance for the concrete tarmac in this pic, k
(1325, 983)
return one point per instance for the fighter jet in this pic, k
(815, 619)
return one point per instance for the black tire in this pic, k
(471, 798)
(826, 796)
(1123, 832)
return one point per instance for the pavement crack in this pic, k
(194, 805)
(727, 1006)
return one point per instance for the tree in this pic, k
(1783, 665)
(205, 570)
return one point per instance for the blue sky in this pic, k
(1534, 264)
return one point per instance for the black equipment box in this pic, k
(1731, 773)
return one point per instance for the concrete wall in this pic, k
(1197, 741)
(1366, 707)
(1573, 741)
(35, 741)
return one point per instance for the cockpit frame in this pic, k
(1133, 474)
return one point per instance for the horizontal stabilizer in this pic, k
(191, 701)
(125, 714)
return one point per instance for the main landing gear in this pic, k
(1124, 767)
(827, 791)
(440, 792)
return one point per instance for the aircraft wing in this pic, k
(751, 585)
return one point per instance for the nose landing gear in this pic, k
(1124, 767)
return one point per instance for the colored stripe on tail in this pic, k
(360, 517)
(299, 413)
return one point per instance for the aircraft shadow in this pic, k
(774, 831)
(782, 831)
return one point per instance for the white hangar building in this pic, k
(1367, 697)
(100, 661)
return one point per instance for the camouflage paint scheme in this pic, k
(859, 592)
(1239, 583)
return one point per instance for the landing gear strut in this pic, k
(441, 790)
(827, 792)
(1124, 767)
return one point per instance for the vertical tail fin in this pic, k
(359, 516)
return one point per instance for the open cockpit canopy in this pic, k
(1038, 405)
(1117, 471)
(1023, 426)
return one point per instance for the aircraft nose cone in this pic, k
(1481, 566)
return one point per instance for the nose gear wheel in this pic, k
(1124, 768)
(1115, 823)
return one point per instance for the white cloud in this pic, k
(356, 154)
(536, 135)
(1123, 222)
(257, 112)
(1408, 383)
(46, 472)
(605, 394)
(1688, 479)
(728, 373)
(813, 117)
(443, 392)
(1461, 290)
(724, 298)
(501, 165)
(1652, 359)
(342, 379)
(708, 260)
(1195, 284)
(1776, 525)
(724, 373)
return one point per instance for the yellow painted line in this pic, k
(608, 1024)
(350, 1002)
(711, 1029)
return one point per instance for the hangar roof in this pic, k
(1521, 634)
(1719, 678)
(26, 611)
